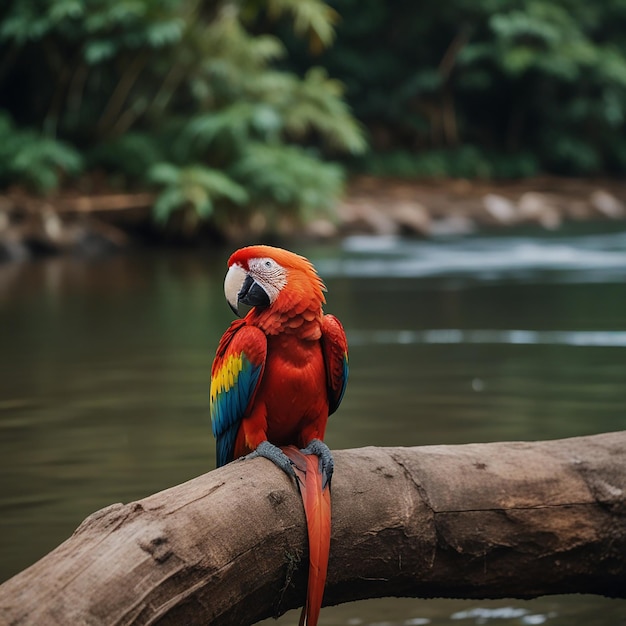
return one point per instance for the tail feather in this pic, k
(317, 510)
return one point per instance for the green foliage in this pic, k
(132, 155)
(313, 19)
(27, 157)
(204, 100)
(288, 177)
(316, 104)
(195, 189)
(463, 162)
(179, 95)
(527, 85)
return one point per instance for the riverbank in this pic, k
(389, 207)
(72, 223)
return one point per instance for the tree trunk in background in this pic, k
(473, 521)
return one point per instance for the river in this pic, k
(104, 373)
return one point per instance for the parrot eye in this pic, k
(268, 266)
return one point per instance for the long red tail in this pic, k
(317, 510)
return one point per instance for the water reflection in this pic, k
(104, 370)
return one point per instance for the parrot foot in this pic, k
(269, 451)
(327, 464)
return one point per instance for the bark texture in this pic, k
(229, 547)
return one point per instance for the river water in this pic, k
(104, 373)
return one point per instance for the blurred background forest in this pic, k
(227, 109)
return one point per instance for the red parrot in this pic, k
(277, 375)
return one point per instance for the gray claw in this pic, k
(327, 464)
(269, 451)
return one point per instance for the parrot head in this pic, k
(264, 277)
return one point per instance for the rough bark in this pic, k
(480, 520)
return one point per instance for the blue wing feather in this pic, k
(235, 376)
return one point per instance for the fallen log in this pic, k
(105, 203)
(229, 547)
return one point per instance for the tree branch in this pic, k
(229, 547)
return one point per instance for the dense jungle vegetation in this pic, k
(226, 106)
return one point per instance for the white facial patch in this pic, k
(269, 275)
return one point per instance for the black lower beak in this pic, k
(252, 294)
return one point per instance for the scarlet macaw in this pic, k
(277, 375)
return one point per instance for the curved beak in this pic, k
(235, 277)
(239, 286)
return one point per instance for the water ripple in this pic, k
(584, 258)
(601, 338)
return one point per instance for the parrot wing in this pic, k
(335, 349)
(235, 376)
